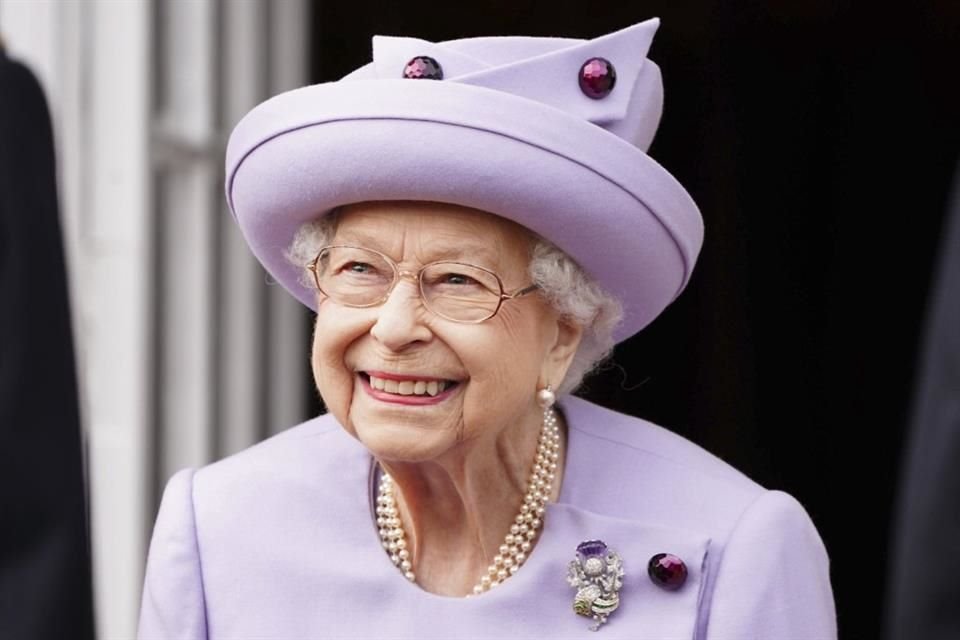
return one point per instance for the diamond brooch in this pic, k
(597, 575)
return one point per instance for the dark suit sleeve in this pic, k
(925, 576)
(45, 589)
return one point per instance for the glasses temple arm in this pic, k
(522, 292)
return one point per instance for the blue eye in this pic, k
(457, 278)
(360, 272)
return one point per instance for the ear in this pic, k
(564, 343)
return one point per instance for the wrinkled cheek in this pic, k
(333, 382)
(492, 402)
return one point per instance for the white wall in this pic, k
(184, 353)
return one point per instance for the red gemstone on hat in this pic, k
(423, 68)
(667, 571)
(597, 77)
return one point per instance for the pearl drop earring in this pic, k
(546, 397)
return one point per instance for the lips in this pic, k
(408, 387)
(390, 386)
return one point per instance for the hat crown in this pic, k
(507, 130)
(546, 70)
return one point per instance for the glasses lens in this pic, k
(460, 291)
(352, 276)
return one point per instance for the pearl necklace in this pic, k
(516, 544)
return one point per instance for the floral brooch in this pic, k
(597, 575)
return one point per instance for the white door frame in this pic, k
(185, 353)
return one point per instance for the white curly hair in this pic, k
(561, 281)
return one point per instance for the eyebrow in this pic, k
(463, 251)
(439, 250)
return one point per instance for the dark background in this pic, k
(45, 588)
(819, 138)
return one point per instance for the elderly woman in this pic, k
(476, 223)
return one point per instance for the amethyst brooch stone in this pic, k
(597, 575)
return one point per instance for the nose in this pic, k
(400, 319)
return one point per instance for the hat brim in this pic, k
(606, 203)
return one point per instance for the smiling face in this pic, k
(366, 361)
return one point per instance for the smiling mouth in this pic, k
(411, 387)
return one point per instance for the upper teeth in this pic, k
(408, 387)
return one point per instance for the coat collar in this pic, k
(573, 519)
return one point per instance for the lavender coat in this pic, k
(278, 541)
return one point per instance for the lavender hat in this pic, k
(549, 132)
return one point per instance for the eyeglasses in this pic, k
(457, 291)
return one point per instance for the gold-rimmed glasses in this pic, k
(457, 291)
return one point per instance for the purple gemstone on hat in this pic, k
(667, 571)
(597, 77)
(591, 549)
(423, 68)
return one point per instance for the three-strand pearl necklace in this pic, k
(516, 544)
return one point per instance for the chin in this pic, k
(404, 433)
(394, 442)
